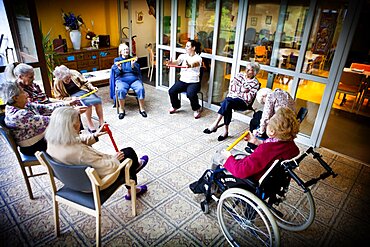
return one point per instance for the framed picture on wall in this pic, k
(139, 17)
(268, 20)
(253, 21)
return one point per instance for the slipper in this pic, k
(221, 137)
(145, 160)
(208, 131)
(143, 189)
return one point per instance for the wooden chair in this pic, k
(24, 161)
(350, 83)
(152, 62)
(82, 188)
(260, 54)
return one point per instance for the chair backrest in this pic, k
(151, 54)
(302, 113)
(8, 137)
(360, 66)
(350, 82)
(250, 35)
(72, 176)
(260, 50)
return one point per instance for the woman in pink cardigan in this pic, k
(282, 128)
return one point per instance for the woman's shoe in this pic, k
(208, 131)
(144, 161)
(221, 137)
(122, 115)
(172, 110)
(142, 188)
(91, 131)
(143, 113)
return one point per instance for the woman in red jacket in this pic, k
(282, 128)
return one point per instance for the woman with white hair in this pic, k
(272, 101)
(70, 84)
(26, 120)
(242, 92)
(25, 76)
(68, 146)
(127, 75)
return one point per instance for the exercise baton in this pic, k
(237, 140)
(106, 127)
(126, 60)
(176, 66)
(88, 94)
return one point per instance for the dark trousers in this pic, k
(131, 154)
(255, 123)
(31, 150)
(227, 107)
(191, 90)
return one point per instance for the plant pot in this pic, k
(75, 36)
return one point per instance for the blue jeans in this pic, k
(122, 88)
(191, 90)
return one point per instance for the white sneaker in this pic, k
(197, 114)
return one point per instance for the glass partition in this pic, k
(227, 27)
(221, 81)
(327, 25)
(166, 23)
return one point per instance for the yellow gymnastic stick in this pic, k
(237, 141)
(87, 94)
(126, 60)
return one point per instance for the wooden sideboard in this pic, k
(86, 60)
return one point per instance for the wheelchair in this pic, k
(249, 212)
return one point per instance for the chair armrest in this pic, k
(108, 179)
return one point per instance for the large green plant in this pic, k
(50, 55)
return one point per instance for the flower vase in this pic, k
(75, 36)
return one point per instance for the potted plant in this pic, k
(50, 54)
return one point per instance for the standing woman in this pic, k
(127, 75)
(71, 84)
(242, 92)
(24, 75)
(189, 78)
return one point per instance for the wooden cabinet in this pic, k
(88, 60)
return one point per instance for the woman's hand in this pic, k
(225, 154)
(101, 131)
(252, 138)
(119, 156)
(95, 89)
(81, 109)
(74, 102)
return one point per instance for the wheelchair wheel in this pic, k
(245, 220)
(296, 212)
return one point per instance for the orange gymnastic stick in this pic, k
(106, 128)
(237, 140)
(176, 66)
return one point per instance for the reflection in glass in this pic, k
(226, 33)
(206, 66)
(309, 95)
(324, 36)
(165, 55)
(7, 50)
(221, 82)
(204, 25)
(166, 23)
(260, 30)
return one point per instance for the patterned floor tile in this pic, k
(204, 229)
(352, 227)
(151, 229)
(357, 208)
(178, 210)
(330, 195)
(12, 237)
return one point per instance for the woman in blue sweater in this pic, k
(127, 75)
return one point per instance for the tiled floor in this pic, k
(169, 214)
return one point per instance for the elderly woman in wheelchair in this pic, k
(253, 192)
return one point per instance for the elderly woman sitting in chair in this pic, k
(126, 75)
(67, 146)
